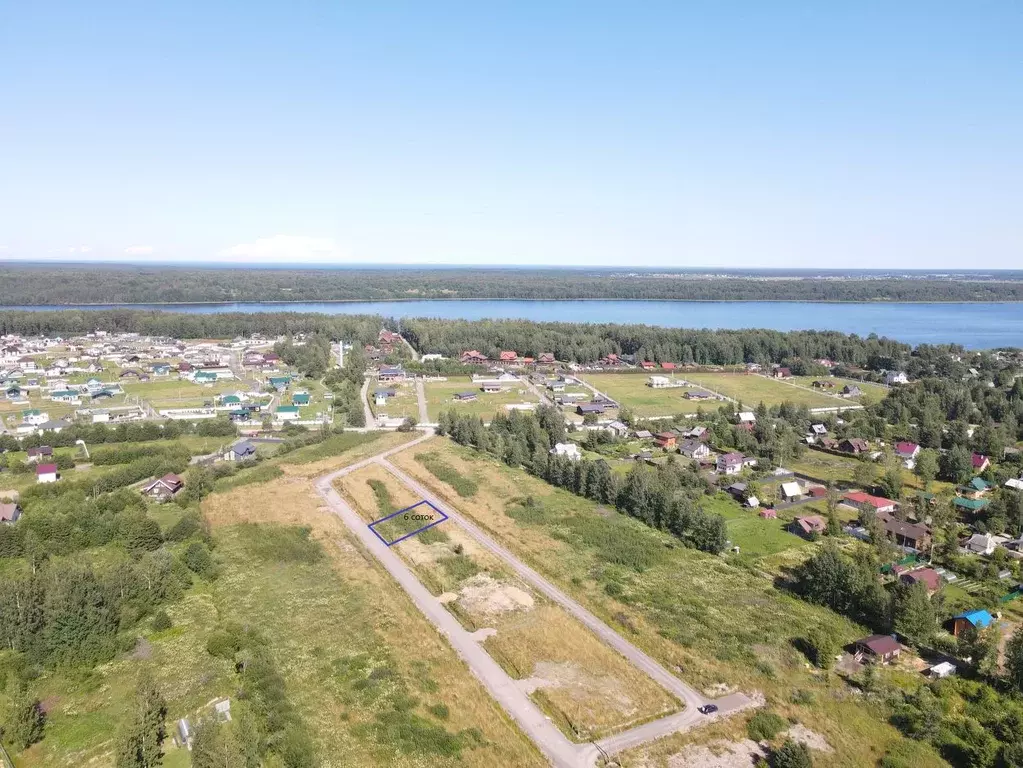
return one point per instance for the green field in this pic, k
(631, 391)
(440, 396)
(403, 404)
(179, 393)
(871, 392)
(750, 390)
(754, 535)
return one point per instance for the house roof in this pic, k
(877, 502)
(811, 523)
(880, 645)
(979, 484)
(747, 416)
(644, 433)
(731, 458)
(972, 505)
(243, 447)
(978, 618)
(46, 469)
(287, 409)
(791, 489)
(906, 448)
(979, 460)
(928, 576)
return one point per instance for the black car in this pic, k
(708, 709)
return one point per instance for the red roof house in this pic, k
(980, 462)
(509, 356)
(865, 501)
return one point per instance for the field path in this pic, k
(505, 690)
(424, 416)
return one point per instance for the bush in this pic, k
(764, 726)
(161, 621)
(200, 561)
(791, 754)
(464, 486)
(225, 641)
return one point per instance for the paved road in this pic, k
(505, 690)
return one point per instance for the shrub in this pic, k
(161, 621)
(200, 561)
(764, 726)
(791, 754)
(440, 711)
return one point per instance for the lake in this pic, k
(978, 326)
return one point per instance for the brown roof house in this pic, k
(164, 488)
(882, 648)
(929, 577)
(854, 445)
(808, 526)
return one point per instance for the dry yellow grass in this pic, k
(410, 639)
(357, 489)
(359, 452)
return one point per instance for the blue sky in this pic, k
(797, 134)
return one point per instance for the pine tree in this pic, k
(27, 723)
(140, 744)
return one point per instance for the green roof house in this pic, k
(300, 398)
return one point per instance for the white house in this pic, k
(46, 473)
(571, 450)
(730, 463)
(286, 413)
(1016, 485)
(658, 382)
(895, 377)
(790, 491)
(101, 417)
(35, 417)
(747, 417)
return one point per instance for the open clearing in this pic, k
(631, 391)
(873, 393)
(720, 625)
(586, 688)
(440, 396)
(751, 390)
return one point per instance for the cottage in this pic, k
(230, 400)
(914, 536)
(851, 391)
(300, 398)
(545, 358)
(658, 382)
(9, 512)
(969, 506)
(164, 488)
(647, 365)
(854, 445)
(880, 648)
(865, 501)
(666, 440)
(895, 377)
(280, 383)
(978, 619)
(508, 356)
(472, 357)
(907, 452)
(466, 397)
(34, 416)
(730, 463)
(56, 426)
(286, 413)
(982, 544)
(808, 526)
(36, 454)
(768, 514)
(980, 462)
(391, 374)
(976, 488)
(694, 449)
(791, 491)
(1014, 483)
(618, 428)
(240, 451)
(929, 577)
(645, 434)
(747, 417)
(737, 491)
(65, 396)
(556, 385)
(584, 409)
(46, 473)
(782, 373)
(568, 450)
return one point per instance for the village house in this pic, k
(808, 526)
(658, 382)
(164, 488)
(979, 619)
(568, 450)
(791, 491)
(37, 454)
(380, 396)
(730, 463)
(907, 452)
(390, 374)
(34, 416)
(618, 428)
(977, 488)
(854, 445)
(508, 356)
(929, 577)
(286, 413)
(851, 390)
(472, 357)
(666, 440)
(782, 373)
(643, 434)
(466, 397)
(980, 462)
(240, 451)
(867, 502)
(545, 358)
(694, 449)
(9, 512)
(878, 648)
(912, 536)
(584, 409)
(895, 377)
(46, 473)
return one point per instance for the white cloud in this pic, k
(286, 248)
(79, 249)
(139, 250)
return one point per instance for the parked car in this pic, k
(708, 709)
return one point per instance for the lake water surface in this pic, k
(978, 326)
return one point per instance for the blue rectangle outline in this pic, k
(441, 512)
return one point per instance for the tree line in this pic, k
(110, 284)
(665, 497)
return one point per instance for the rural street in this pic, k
(551, 741)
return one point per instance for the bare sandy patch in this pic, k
(582, 686)
(719, 754)
(482, 595)
(812, 739)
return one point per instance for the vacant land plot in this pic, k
(179, 393)
(872, 392)
(719, 624)
(372, 677)
(585, 687)
(751, 390)
(754, 535)
(440, 396)
(631, 391)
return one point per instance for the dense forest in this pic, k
(122, 284)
